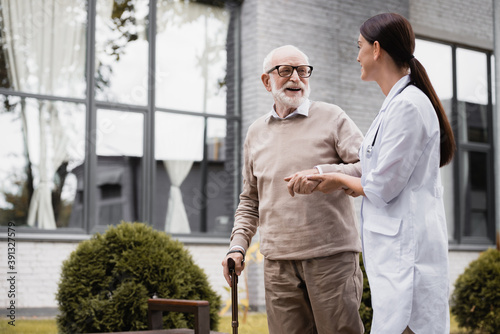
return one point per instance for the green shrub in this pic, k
(476, 298)
(107, 280)
(365, 309)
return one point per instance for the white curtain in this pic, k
(44, 44)
(41, 203)
(172, 129)
(177, 220)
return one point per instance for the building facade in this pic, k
(137, 110)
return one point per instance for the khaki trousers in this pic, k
(316, 296)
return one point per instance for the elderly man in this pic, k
(313, 283)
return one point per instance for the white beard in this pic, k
(287, 101)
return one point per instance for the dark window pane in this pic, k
(109, 191)
(110, 213)
(473, 122)
(476, 192)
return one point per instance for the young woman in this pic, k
(404, 234)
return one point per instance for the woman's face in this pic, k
(366, 59)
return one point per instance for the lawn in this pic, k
(29, 326)
(256, 323)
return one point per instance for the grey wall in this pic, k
(327, 31)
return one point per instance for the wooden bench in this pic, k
(156, 307)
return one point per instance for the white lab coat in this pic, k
(405, 242)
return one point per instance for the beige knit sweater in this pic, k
(304, 226)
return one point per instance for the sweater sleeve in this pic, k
(247, 213)
(348, 139)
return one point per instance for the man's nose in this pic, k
(295, 75)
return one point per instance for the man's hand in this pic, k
(238, 267)
(298, 182)
(328, 182)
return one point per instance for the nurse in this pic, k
(404, 234)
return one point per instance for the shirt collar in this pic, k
(395, 90)
(303, 110)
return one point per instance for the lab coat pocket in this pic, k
(382, 243)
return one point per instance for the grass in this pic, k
(29, 326)
(255, 323)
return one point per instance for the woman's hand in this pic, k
(328, 182)
(351, 192)
(337, 181)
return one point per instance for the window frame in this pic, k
(148, 177)
(460, 241)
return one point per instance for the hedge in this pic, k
(476, 297)
(107, 280)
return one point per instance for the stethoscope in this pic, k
(369, 148)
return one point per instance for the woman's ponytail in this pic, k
(396, 37)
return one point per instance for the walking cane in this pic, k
(234, 294)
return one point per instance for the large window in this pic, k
(118, 110)
(462, 78)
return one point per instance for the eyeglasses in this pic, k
(286, 71)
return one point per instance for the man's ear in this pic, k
(266, 80)
(376, 50)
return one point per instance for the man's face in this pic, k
(288, 92)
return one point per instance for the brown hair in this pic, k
(396, 37)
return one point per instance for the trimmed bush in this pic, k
(107, 280)
(365, 309)
(476, 298)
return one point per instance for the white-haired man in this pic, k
(313, 283)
